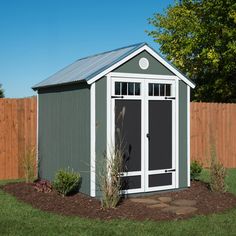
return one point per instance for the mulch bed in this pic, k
(85, 206)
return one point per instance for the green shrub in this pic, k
(66, 182)
(195, 169)
(217, 173)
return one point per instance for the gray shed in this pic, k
(78, 119)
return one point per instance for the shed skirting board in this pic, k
(92, 140)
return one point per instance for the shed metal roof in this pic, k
(91, 67)
(88, 67)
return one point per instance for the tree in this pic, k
(1, 92)
(199, 38)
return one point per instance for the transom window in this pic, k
(127, 88)
(159, 89)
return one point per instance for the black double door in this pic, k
(146, 145)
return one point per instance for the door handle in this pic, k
(173, 170)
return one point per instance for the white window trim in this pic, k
(92, 141)
(154, 54)
(143, 76)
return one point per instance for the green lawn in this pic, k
(17, 218)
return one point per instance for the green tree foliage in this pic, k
(199, 38)
(1, 92)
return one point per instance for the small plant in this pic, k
(66, 182)
(29, 165)
(43, 186)
(195, 169)
(110, 180)
(217, 173)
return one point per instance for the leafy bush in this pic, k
(66, 182)
(29, 165)
(195, 169)
(43, 186)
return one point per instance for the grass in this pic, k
(17, 218)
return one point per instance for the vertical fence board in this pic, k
(212, 124)
(17, 134)
(2, 140)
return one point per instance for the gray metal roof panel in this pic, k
(88, 67)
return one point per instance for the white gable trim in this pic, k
(119, 63)
(151, 52)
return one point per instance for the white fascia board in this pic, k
(154, 54)
(170, 67)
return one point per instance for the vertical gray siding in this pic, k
(183, 181)
(101, 128)
(132, 66)
(64, 131)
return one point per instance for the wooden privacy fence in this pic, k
(212, 125)
(18, 125)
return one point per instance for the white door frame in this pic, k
(174, 159)
(143, 79)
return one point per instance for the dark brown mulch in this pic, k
(84, 206)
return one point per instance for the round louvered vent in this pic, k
(143, 63)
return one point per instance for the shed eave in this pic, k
(36, 88)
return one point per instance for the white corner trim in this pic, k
(109, 104)
(154, 54)
(188, 135)
(37, 138)
(92, 141)
(177, 132)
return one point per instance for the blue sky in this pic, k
(39, 37)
